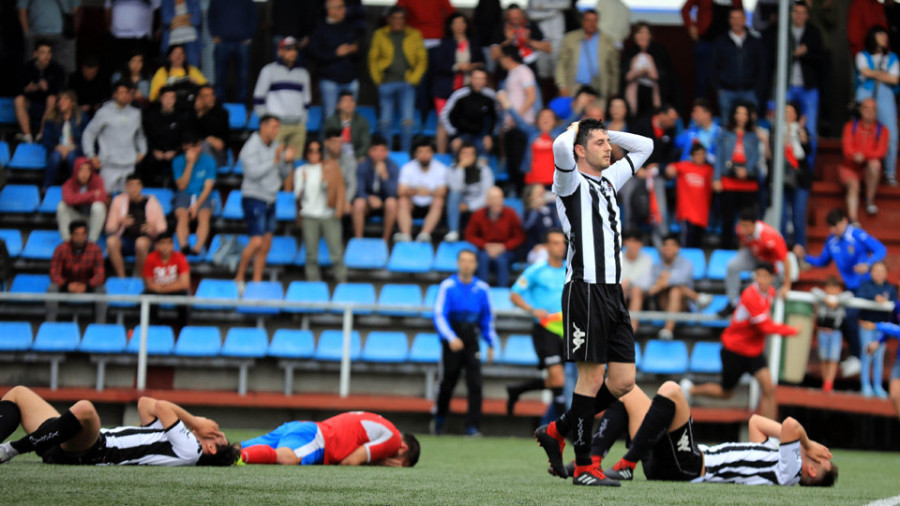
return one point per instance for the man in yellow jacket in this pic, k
(397, 62)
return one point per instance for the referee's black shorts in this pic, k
(548, 346)
(597, 324)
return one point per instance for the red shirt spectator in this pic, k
(505, 228)
(71, 264)
(427, 16)
(751, 323)
(165, 272)
(765, 243)
(868, 139)
(862, 15)
(694, 191)
(76, 194)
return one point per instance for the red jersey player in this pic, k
(349, 439)
(743, 342)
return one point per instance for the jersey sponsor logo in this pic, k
(577, 337)
(684, 443)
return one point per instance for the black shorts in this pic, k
(675, 457)
(597, 324)
(734, 365)
(420, 212)
(94, 455)
(547, 345)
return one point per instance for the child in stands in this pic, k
(694, 190)
(878, 289)
(830, 314)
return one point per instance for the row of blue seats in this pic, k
(26, 199)
(657, 357)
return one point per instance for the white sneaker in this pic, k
(872, 209)
(241, 286)
(665, 335)
(452, 236)
(423, 237)
(401, 237)
(686, 386)
(7, 452)
(703, 300)
(26, 138)
(850, 367)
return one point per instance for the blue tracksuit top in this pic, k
(854, 247)
(459, 302)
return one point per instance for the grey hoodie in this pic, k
(262, 176)
(119, 133)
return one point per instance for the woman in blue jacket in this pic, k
(878, 74)
(181, 26)
(736, 169)
(62, 137)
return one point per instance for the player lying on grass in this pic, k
(349, 439)
(663, 440)
(168, 435)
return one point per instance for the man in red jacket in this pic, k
(83, 198)
(497, 232)
(743, 344)
(865, 144)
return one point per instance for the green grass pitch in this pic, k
(452, 470)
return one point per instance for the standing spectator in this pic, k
(41, 79)
(878, 76)
(133, 223)
(462, 314)
(470, 114)
(429, 18)
(877, 289)
(135, 73)
(62, 137)
(47, 20)
(209, 122)
(488, 14)
(636, 272)
(469, 182)
(376, 192)
(195, 177)
(537, 162)
(90, 87)
(735, 178)
(521, 90)
(738, 65)
(523, 35)
(798, 175)
(540, 217)
(83, 199)
(709, 22)
(422, 192)
(320, 191)
(673, 284)
(549, 17)
(862, 15)
(397, 62)
(661, 127)
(283, 90)
(267, 166)
(334, 151)
(353, 126)
(497, 233)
(167, 272)
(864, 143)
(77, 267)
(179, 75)
(232, 24)
(130, 24)
(588, 57)
(647, 73)
(806, 71)
(694, 189)
(164, 129)
(703, 130)
(830, 314)
(181, 27)
(117, 129)
(335, 47)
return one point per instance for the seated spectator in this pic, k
(335, 47)
(537, 164)
(702, 130)
(135, 73)
(232, 24)
(195, 178)
(116, 128)
(91, 88)
(519, 33)
(353, 126)
(334, 150)
(540, 216)
(497, 233)
(422, 191)
(830, 314)
(397, 73)
(164, 128)
(574, 71)
(470, 114)
(469, 182)
(865, 144)
(878, 289)
(178, 74)
(167, 272)
(376, 192)
(41, 79)
(798, 174)
(63, 127)
(83, 199)
(694, 189)
(878, 73)
(647, 73)
(673, 284)
(736, 170)
(636, 270)
(180, 20)
(660, 126)
(210, 122)
(283, 90)
(320, 191)
(77, 267)
(521, 90)
(133, 222)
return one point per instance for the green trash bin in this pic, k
(795, 350)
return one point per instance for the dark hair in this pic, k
(554, 230)
(465, 145)
(168, 65)
(75, 225)
(696, 147)
(43, 42)
(166, 89)
(345, 93)
(672, 237)
(164, 235)
(448, 33)
(395, 9)
(191, 137)
(204, 86)
(800, 3)
(765, 266)
(835, 216)
(267, 118)
(739, 9)
(226, 455)
(331, 133)
(421, 142)
(585, 128)
(704, 103)
(641, 24)
(123, 83)
(748, 214)
(513, 6)
(511, 51)
(413, 448)
(797, 107)
(733, 112)
(664, 108)
(870, 45)
(609, 105)
(377, 140)
(132, 177)
(90, 61)
(826, 479)
(588, 11)
(633, 233)
(586, 89)
(834, 281)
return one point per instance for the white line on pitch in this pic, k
(890, 501)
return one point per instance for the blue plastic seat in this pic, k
(425, 349)
(19, 198)
(160, 340)
(237, 115)
(285, 206)
(447, 253)
(429, 126)
(368, 112)
(430, 297)
(399, 157)
(314, 118)
(216, 198)
(262, 290)
(41, 244)
(331, 346)
(697, 259)
(15, 336)
(29, 157)
(516, 205)
(358, 293)
(103, 338)
(394, 295)
(216, 289)
(562, 106)
(57, 337)
(30, 283)
(245, 342)
(283, 250)
(718, 303)
(4, 146)
(51, 200)
(324, 255)
(224, 170)
(366, 253)
(198, 342)
(411, 257)
(307, 291)
(233, 209)
(13, 239)
(652, 253)
(163, 196)
(638, 358)
(7, 111)
(291, 343)
(665, 357)
(519, 350)
(500, 298)
(238, 168)
(124, 286)
(445, 158)
(385, 347)
(705, 358)
(718, 263)
(484, 349)
(253, 122)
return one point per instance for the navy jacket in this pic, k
(53, 132)
(738, 68)
(365, 176)
(441, 62)
(869, 290)
(232, 20)
(323, 42)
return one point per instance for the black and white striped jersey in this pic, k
(151, 445)
(589, 208)
(766, 463)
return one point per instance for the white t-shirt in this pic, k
(132, 19)
(517, 82)
(412, 175)
(637, 272)
(310, 189)
(863, 63)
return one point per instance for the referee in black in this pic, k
(597, 324)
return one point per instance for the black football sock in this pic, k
(559, 401)
(51, 433)
(655, 425)
(581, 421)
(603, 399)
(10, 417)
(528, 386)
(612, 424)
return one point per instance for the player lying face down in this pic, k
(168, 435)
(349, 439)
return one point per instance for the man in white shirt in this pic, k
(422, 191)
(636, 267)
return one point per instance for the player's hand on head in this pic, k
(207, 428)
(817, 452)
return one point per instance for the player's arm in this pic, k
(638, 150)
(170, 413)
(762, 428)
(357, 457)
(792, 431)
(565, 177)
